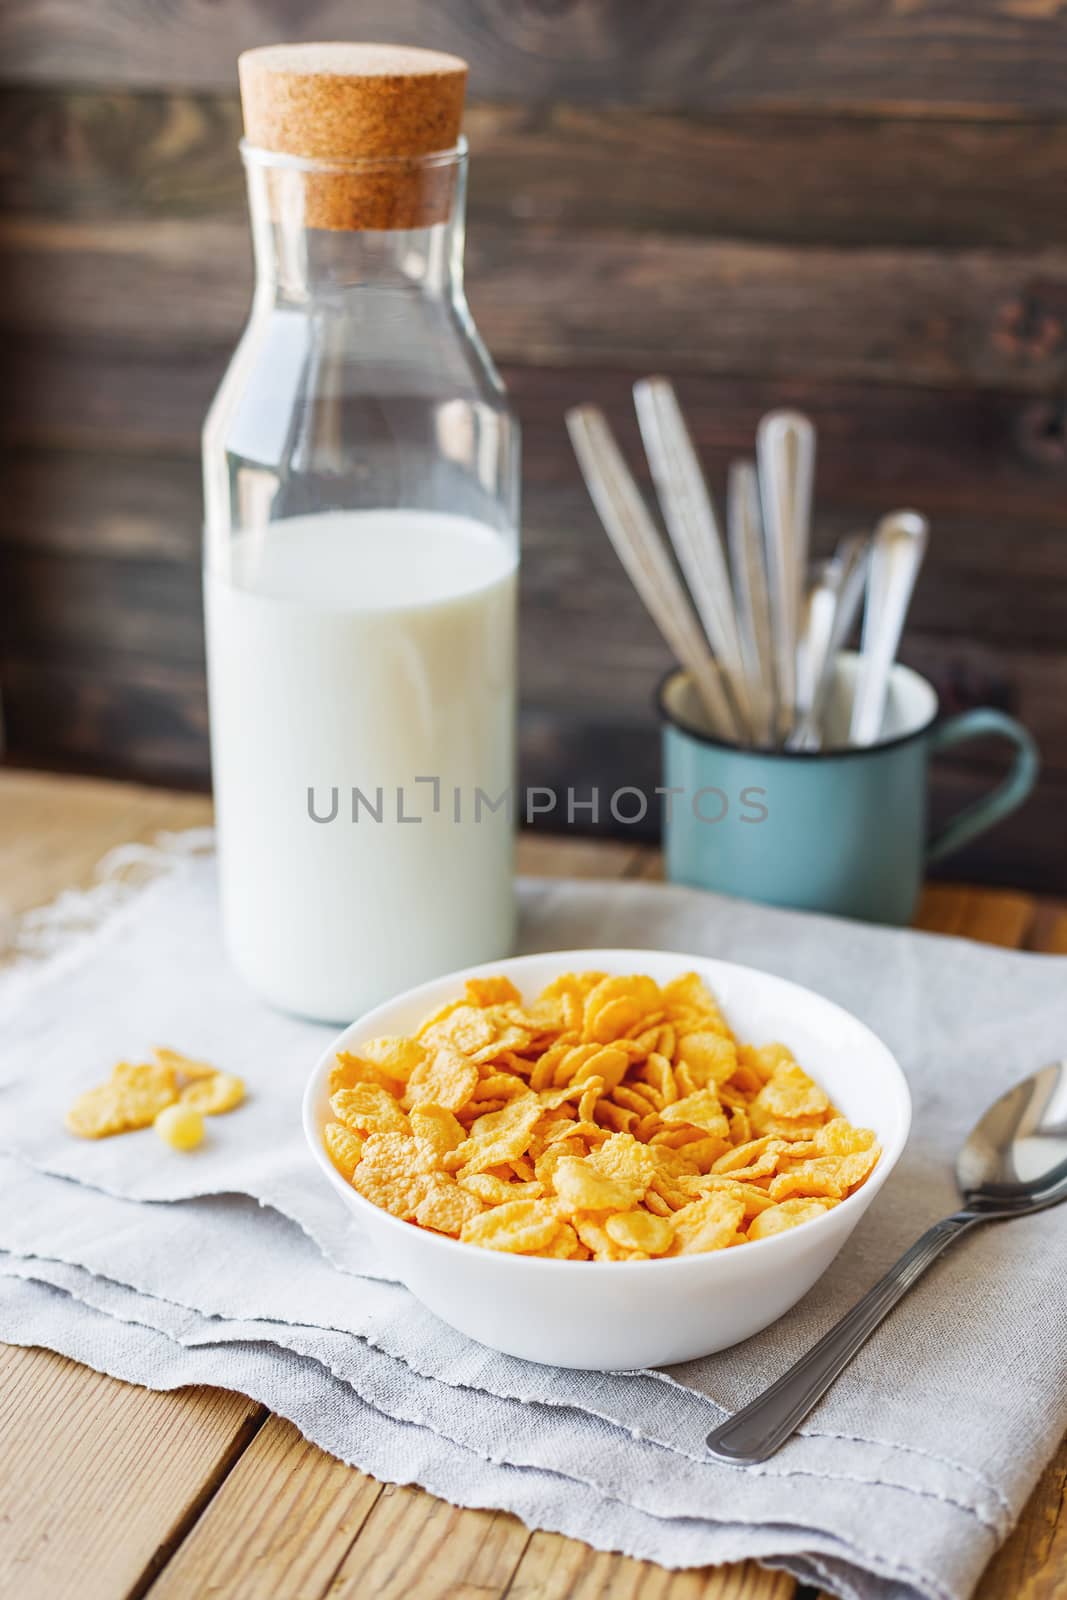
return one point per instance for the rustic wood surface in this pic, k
(120, 1492)
(853, 206)
(87, 155)
(712, 305)
(953, 56)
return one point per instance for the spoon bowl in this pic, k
(1015, 1158)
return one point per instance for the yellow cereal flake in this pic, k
(707, 1224)
(700, 1110)
(445, 1207)
(348, 1070)
(395, 1058)
(520, 1226)
(133, 1098)
(581, 1187)
(564, 1245)
(640, 1230)
(446, 1078)
(98, 1113)
(368, 1108)
(790, 1214)
(212, 1096)
(839, 1138)
(789, 1092)
(609, 1064)
(392, 1173)
(185, 1065)
(466, 1028)
(500, 1135)
(597, 1240)
(437, 1131)
(343, 1147)
(824, 1175)
(608, 1119)
(494, 1191)
(623, 1156)
(711, 1058)
(757, 1159)
(492, 992)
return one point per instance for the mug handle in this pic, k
(1008, 795)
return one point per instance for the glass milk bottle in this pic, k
(361, 547)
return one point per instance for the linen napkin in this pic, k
(903, 1480)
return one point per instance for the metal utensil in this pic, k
(849, 575)
(899, 547)
(817, 609)
(744, 527)
(1013, 1163)
(785, 455)
(640, 548)
(689, 513)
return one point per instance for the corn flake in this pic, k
(790, 1214)
(212, 1096)
(520, 1226)
(640, 1230)
(368, 1108)
(445, 1078)
(344, 1147)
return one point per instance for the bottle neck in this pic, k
(307, 248)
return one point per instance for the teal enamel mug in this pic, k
(843, 830)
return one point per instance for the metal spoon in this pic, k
(897, 554)
(850, 575)
(1013, 1163)
(785, 454)
(689, 512)
(817, 609)
(641, 550)
(744, 526)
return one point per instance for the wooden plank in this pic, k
(53, 831)
(103, 1479)
(102, 394)
(544, 855)
(119, 153)
(1048, 933)
(415, 1547)
(279, 1525)
(75, 608)
(555, 1568)
(1033, 1561)
(992, 916)
(941, 318)
(948, 55)
(972, 459)
(134, 720)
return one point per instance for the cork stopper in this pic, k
(372, 109)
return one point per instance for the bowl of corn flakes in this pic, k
(607, 1159)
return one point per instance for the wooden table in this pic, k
(110, 1492)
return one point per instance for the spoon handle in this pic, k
(760, 1428)
(897, 554)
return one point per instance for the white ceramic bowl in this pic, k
(618, 1315)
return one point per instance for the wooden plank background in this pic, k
(855, 206)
